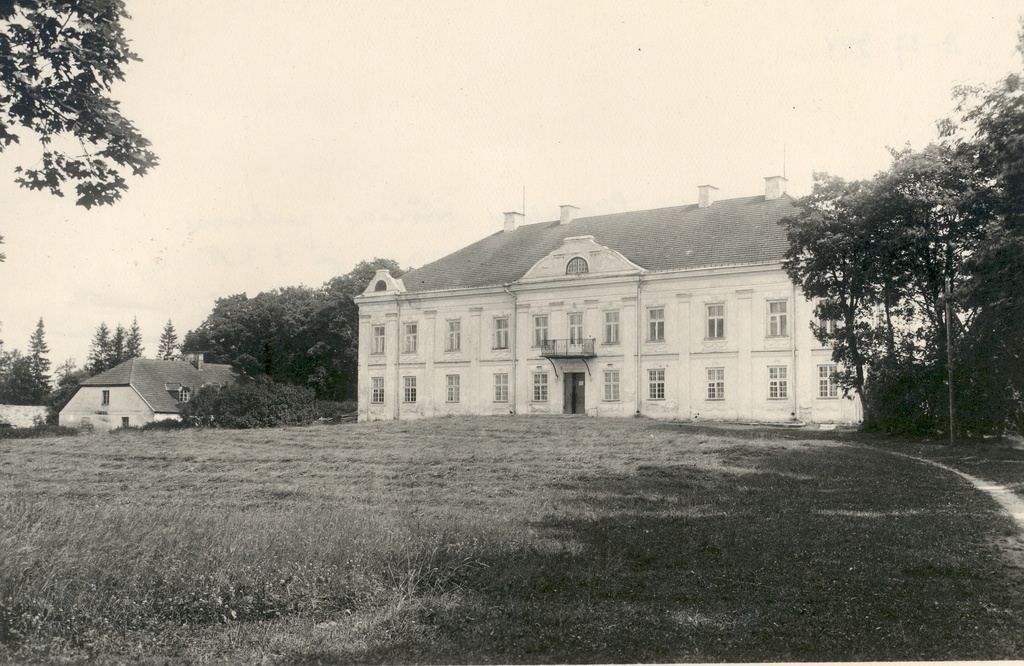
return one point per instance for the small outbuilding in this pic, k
(140, 391)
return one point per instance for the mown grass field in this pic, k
(526, 540)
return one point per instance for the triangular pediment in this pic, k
(577, 252)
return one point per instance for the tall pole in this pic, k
(949, 363)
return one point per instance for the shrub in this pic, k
(167, 424)
(38, 430)
(252, 403)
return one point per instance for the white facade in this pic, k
(108, 408)
(718, 342)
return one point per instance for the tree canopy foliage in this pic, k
(298, 335)
(58, 63)
(924, 262)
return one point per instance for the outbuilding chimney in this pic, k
(513, 220)
(196, 359)
(568, 213)
(774, 187)
(706, 195)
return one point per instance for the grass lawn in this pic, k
(498, 539)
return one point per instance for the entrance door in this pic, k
(575, 393)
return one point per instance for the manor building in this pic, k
(674, 313)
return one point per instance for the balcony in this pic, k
(568, 349)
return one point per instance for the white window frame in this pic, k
(540, 387)
(577, 266)
(501, 332)
(715, 315)
(409, 394)
(576, 327)
(656, 384)
(612, 391)
(656, 324)
(611, 327)
(778, 382)
(376, 390)
(184, 394)
(105, 398)
(410, 338)
(828, 388)
(540, 331)
(501, 387)
(778, 318)
(378, 339)
(716, 383)
(453, 339)
(454, 389)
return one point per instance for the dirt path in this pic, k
(1012, 504)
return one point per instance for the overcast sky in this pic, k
(298, 138)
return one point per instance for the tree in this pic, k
(68, 377)
(58, 63)
(168, 343)
(133, 341)
(99, 350)
(39, 365)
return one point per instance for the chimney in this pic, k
(568, 213)
(513, 220)
(197, 360)
(707, 194)
(774, 187)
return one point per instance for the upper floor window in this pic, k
(611, 327)
(576, 327)
(656, 325)
(540, 330)
(576, 266)
(501, 333)
(454, 340)
(106, 398)
(778, 320)
(409, 341)
(716, 322)
(828, 326)
(184, 394)
(377, 339)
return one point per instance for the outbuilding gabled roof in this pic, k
(154, 379)
(728, 232)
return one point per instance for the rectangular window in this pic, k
(716, 322)
(410, 389)
(576, 327)
(501, 333)
(501, 387)
(377, 390)
(827, 387)
(611, 327)
(453, 388)
(656, 325)
(777, 322)
(778, 386)
(716, 383)
(409, 343)
(611, 385)
(540, 387)
(828, 326)
(656, 384)
(453, 342)
(106, 398)
(540, 330)
(125, 422)
(377, 339)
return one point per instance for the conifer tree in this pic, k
(99, 351)
(39, 365)
(133, 341)
(168, 343)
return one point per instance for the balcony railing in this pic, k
(568, 348)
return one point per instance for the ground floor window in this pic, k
(540, 387)
(716, 383)
(611, 385)
(778, 383)
(377, 390)
(501, 387)
(656, 384)
(453, 388)
(125, 422)
(410, 389)
(827, 387)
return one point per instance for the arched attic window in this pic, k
(380, 286)
(576, 266)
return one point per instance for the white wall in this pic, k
(86, 407)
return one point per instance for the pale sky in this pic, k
(298, 138)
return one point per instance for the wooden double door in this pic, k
(575, 385)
